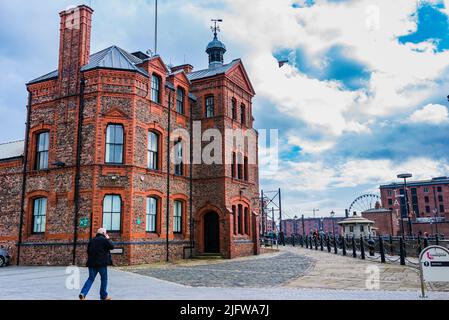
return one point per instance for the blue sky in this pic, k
(362, 97)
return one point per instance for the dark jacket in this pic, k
(98, 252)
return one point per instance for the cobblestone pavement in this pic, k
(270, 270)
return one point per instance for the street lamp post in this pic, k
(295, 229)
(332, 216)
(405, 176)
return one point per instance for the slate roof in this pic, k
(211, 72)
(114, 58)
(109, 58)
(11, 150)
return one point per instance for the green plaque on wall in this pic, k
(84, 222)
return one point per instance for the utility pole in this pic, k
(280, 211)
(262, 203)
(155, 28)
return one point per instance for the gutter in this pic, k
(25, 161)
(78, 169)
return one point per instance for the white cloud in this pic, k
(317, 176)
(309, 146)
(431, 113)
(402, 75)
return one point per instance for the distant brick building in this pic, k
(325, 224)
(98, 153)
(428, 207)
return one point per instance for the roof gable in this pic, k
(238, 75)
(157, 63)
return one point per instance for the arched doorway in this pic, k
(211, 233)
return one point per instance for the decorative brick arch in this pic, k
(199, 225)
(246, 207)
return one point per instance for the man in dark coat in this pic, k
(98, 259)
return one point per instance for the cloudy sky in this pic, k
(362, 97)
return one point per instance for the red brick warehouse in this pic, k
(97, 153)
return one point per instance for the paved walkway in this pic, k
(48, 283)
(314, 282)
(332, 271)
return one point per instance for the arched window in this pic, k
(155, 88)
(151, 214)
(234, 213)
(210, 106)
(240, 219)
(234, 108)
(153, 150)
(39, 215)
(114, 144)
(112, 212)
(246, 218)
(179, 165)
(177, 216)
(243, 114)
(180, 100)
(42, 147)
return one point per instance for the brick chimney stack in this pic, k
(74, 46)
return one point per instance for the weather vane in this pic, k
(216, 28)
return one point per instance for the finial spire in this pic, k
(216, 27)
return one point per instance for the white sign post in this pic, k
(433, 266)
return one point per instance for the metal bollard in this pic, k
(381, 249)
(419, 244)
(328, 243)
(391, 245)
(344, 245)
(354, 252)
(401, 251)
(362, 248)
(321, 243)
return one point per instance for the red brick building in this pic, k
(428, 207)
(109, 143)
(327, 225)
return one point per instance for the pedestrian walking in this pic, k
(98, 260)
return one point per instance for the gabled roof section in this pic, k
(238, 73)
(180, 72)
(200, 74)
(227, 69)
(109, 58)
(160, 61)
(114, 58)
(11, 150)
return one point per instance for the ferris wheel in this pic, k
(364, 202)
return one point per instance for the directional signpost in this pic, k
(433, 265)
